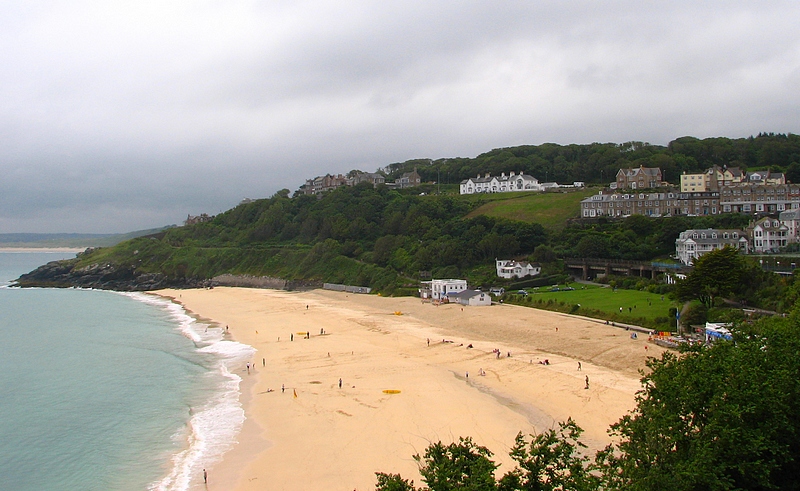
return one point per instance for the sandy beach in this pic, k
(398, 393)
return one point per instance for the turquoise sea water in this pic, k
(109, 391)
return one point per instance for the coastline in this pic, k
(43, 249)
(337, 438)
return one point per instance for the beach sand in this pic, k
(316, 435)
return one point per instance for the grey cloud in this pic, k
(131, 116)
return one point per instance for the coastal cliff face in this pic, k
(66, 274)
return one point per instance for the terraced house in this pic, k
(500, 184)
(668, 203)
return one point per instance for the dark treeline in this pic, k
(400, 231)
(599, 162)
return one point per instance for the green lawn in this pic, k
(551, 210)
(643, 305)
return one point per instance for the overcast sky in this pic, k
(120, 116)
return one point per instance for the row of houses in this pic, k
(512, 182)
(737, 198)
(328, 182)
(716, 177)
(764, 236)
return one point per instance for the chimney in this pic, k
(511, 174)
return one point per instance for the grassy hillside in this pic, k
(551, 210)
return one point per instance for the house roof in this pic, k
(467, 294)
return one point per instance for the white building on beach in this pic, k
(440, 289)
(472, 298)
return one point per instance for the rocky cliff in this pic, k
(66, 274)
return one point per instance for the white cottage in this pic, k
(516, 269)
(472, 298)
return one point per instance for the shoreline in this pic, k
(337, 438)
(42, 249)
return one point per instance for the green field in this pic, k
(551, 210)
(645, 308)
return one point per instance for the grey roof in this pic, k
(467, 294)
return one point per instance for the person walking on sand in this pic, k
(283, 388)
(579, 366)
(587, 382)
(205, 476)
(340, 383)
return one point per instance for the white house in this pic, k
(500, 184)
(516, 269)
(439, 289)
(692, 244)
(791, 219)
(768, 235)
(472, 297)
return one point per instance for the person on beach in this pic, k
(248, 367)
(283, 388)
(291, 337)
(340, 383)
(205, 476)
(263, 362)
(579, 366)
(587, 382)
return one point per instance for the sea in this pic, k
(104, 390)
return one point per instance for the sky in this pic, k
(123, 116)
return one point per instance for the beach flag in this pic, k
(295, 393)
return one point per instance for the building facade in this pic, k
(639, 178)
(692, 244)
(408, 180)
(768, 235)
(440, 289)
(516, 269)
(759, 198)
(500, 184)
(471, 298)
(791, 219)
(667, 203)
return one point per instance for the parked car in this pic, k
(522, 292)
(497, 291)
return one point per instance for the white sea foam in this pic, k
(213, 427)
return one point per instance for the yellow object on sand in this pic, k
(397, 312)
(295, 392)
(391, 391)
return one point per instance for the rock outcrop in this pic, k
(66, 274)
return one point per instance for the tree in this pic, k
(550, 462)
(718, 273)
(716, 418)
(462, 466)
(393, 482)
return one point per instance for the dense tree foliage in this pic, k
(717, 273)
(599, 162)
(719, 417)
